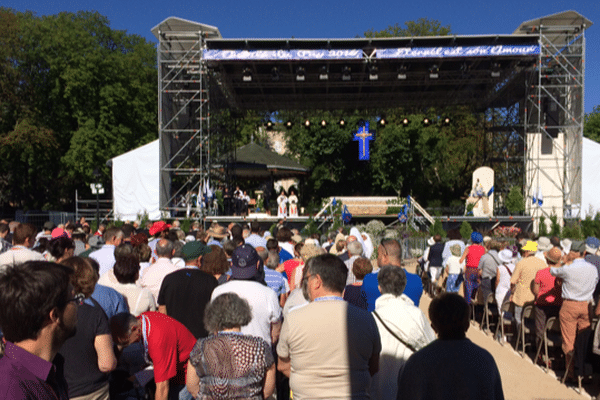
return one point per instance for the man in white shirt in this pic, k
(266, 312)
(153, 275)
(20, 252)
(106, 254)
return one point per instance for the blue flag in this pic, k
(346, 216)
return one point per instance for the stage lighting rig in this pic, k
(426, 121)
(289, 124)
(342, 122)
(323, 123)
(405, 122)
(307, 123)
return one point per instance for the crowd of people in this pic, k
(560, 278)
(223, 313)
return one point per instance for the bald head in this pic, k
(164, 248)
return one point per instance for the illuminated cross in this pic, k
(363, 136)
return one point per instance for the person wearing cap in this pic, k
(245, 276)
(434, 260)
(185, 293)
(544, 245)
(471, 257)
(522, 279)
(215, 235)
(106, 254)
(579, 279)
(547, 291)
(158, 230)
(20, 252)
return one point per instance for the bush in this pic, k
(542, 229)
(465, 230)
(515, 203)
(437, 229)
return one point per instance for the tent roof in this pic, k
(255, 161)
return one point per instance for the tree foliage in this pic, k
(591, 126)
(420, 27)
(89, 88)
(515, 202)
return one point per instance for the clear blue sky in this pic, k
(335, 19)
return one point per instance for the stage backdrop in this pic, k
(135, 183)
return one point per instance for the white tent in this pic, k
(590, 178)
(135, 183)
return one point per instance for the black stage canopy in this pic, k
(276, 74)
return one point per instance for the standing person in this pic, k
(579, 279)
(23, 239)
(352, 293)
(245, 281)
(155, 273)
(328, 348)
(293, 200)
(167, 344)
(282, 205)
(35, 328)
(88, 355)
(452, 367)
(403, 329)
(185, 293)
(454, 269)
(435, 260)
(547, 291)
(237, 200)
(229, 364)
(488, 267)
(503, 275)
(390, 252)
(454, 238)
(472, 255)
(106, 254)
(521, 280)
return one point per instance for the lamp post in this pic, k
(97, 189)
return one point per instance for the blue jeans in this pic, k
(179, 392)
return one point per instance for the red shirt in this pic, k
(475, 253)
(290, 266)
(550, 293)
(169, 346)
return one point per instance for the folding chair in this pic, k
(490, 309)
(476, 301)
(552, 338)
(527, 327)
(503, 319)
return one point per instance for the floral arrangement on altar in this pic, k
(506, 231)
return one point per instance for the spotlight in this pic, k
(405, 122)
(342, 123)
(402, 72)
(495, 70)
(246, 75)
(446, 121)
(346, 76)
(373, 73)
(275, 74)
(300, 74)
(434, 71)
(307, 124)
(426, 121)
(323, 123)
(382, 122)
(323, 73)
(289, 124)
(269, 125)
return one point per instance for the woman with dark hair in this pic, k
(228, 364)
(215, 263)
(89, 355)
(61, 248)
(127, 272)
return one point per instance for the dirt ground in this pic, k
(521, 379)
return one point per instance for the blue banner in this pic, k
(348, 54)
(459, 51)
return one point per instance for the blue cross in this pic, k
(363, 136)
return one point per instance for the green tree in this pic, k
(465, 230)
(515, 203)
(92, 88)
(437, 228)
(591, 127)
(420, 27)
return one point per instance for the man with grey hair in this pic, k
(106, 254)
(403, 329)
(355, 250)
(328, 348)
(153, 276)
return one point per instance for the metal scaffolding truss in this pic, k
(554, 116)
(526, 83)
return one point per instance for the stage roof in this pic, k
(477, 71)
